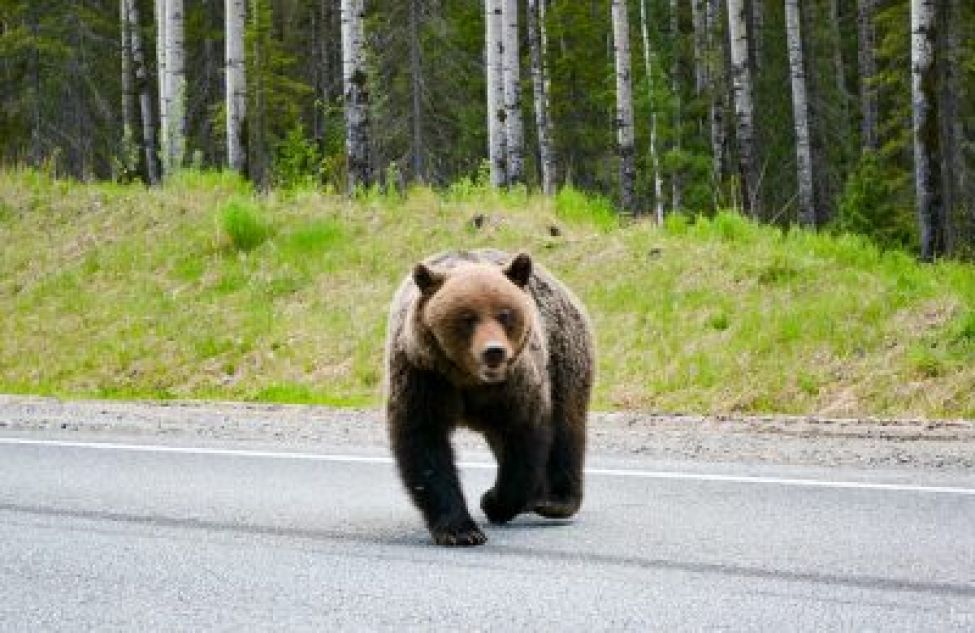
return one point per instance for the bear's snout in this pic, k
(493, 355)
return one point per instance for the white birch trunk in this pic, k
(624, 106)
(494, 45)
(539, 86)
(800, 112)
(658, 185)
(716, 92)
(741, 79)
(236, 18)
(162, 78)
(927, 181)
(142, 87)
(513, 125)
(868, 70)
(175, 84)
(129, 151)
(356, 95)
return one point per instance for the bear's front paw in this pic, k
(464, 534)
(496, 510)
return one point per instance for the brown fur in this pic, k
(497, 344)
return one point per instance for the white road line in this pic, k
(599, 472)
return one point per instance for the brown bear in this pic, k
(499, 345)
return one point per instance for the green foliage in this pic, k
(869, 207)
(297, 161)
(574, 206)
(243, 226)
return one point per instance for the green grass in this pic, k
(205, 290)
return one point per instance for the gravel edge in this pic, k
(772, 439)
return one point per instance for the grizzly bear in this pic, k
(496, 344)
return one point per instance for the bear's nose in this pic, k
(493, 355)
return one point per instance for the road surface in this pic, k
(155, 533)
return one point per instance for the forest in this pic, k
(840, 115)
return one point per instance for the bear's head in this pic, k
(480, 314)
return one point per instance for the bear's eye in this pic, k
(505, 318)
(467, 320)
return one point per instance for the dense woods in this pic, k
(853, 115)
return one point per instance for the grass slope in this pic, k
(204, 290)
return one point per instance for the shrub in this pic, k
(243, 226)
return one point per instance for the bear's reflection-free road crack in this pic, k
(304, 543)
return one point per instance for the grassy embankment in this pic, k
(204, 290)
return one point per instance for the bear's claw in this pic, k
(464, 535)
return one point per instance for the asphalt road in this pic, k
(156, 537)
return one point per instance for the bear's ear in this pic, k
(519, 269)
(427, 279)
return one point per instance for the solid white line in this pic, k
(599, 472)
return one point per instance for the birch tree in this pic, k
(162, 80)
(175, 85)
(513, 125)
(142, 87)
(927, 172)
(868, 69)
(716, 91)
(129, 156)
(494, 45)
(236, 17)
(800, 111)
(658, 185)
(539, 75)
(356, 95)
(624, 106)
(741, 80)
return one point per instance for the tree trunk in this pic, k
(256, 121)
(356, 95)
(175, 84)
(699, 18)
(236, 17)
(658, 185)
(162, 79)
(416, 75)
(741, 79)
(675, 180)
(716, 94)
(949, 90)
(839, 67)
(129, 151)
(868, 70)
(513, 126)
(142, 87)
(924, 95)
(539, 88)
(756, 27)
(800, 111)
(494, 45)
(624, 106)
